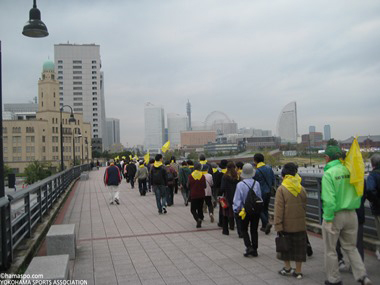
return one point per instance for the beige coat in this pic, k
(289, 211)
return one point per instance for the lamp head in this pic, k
(35, 28)
(72, 119)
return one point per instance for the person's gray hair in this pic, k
(197, 166)
(375, 160)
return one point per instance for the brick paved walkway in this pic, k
(132, 244)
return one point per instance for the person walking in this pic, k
(184, 173)
(175, 166)
(290, 219)
(228, 188)
(131, 172)
(171, 175)
(149, 166)
(340, 200)
(251, 220)
(208, 192)
(217, 178)
(197, 186)
(265, 176)
(112, 179)
(158, 178)
(141, 177)
(373, 195)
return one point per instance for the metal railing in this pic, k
(22, 211)
(312, 184)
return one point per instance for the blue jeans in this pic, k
(160, 192)
(264, 216)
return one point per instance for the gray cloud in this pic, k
(245, 58)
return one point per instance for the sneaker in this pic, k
(267, 229)
(342, 265)
(211, 218)
(160, 212)
(286, 272)
(248, 252)
(117, 201)
(111, 203)
(378, 254)
(199, 223)
(262, 229)
(298, 276)
(365, 281)
(164, 210)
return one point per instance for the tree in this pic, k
(36, 171)
(332, 142)
(7, 170)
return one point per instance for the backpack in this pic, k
(170, 177)
(253, 204)
(157, 178)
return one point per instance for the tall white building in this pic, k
(113, 132)
(154, 126)
(78, 68)
(287, 123)
(176, 124)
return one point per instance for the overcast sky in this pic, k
(247, 59)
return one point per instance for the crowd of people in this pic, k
(242, 193)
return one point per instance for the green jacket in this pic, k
(337, 192)
(184, 173)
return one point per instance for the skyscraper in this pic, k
(312, 129)
(82, 84)
(327, 132)
(176, 124)
(287, 123)
(188, 110)
(154, 126)
(113, 131)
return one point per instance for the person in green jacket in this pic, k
(340, 221)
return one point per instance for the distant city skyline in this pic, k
(247, 59)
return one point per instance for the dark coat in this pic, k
(131, 170)
(228, 188)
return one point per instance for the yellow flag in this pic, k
(146, 158)
(123, 157)
(355, 164)
(166, 147)
(130, 157)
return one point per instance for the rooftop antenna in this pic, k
(188, 110)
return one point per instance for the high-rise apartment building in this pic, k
(154, 126)
(113, 132)
(327, 132)
(287, 124)
(78, 68)
(312, 129)
(176, 124)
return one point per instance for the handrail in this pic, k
(30, 210)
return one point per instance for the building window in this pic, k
(94, 93)
(77, 83)
(30, 129)
(29, 139)
(94, 99)
(77, 67)
(78, 104)
(78, 99)
(94, 72)
(95, 125)
(16, 130)
(60, 66)
(52, 76)
(77, 72)
(94, 104)
(17, 149)
(5, 149)
(44, 149)
(93, 62)
(95, 130)
(60, 61)
(94, 82)
(61, 88)
(77, 77)
(94, 77)
(4, 130)
(95, 114)
(43, 139)
(94, 67)
(77, 88)
(30, 149)
(77, 62)
(60, 72)
(94, 88)
(78, 93)
(16, 139)
(61, 94)
(59, 78)
(5, 139)
(95, 136)
(61, 99)
(94, 109)
(78, 109)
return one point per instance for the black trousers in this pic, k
(196, 208)
(208, 201)
(142, 186)
(251, 221)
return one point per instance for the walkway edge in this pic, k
(25, 252)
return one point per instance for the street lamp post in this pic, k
(34, 28)
(71, 120)
(74, 147)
